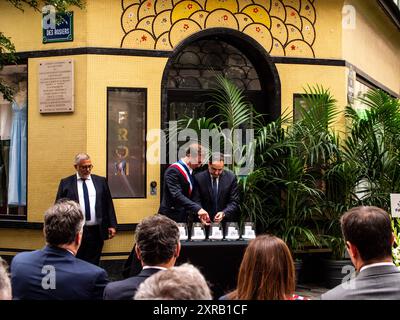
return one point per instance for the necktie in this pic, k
(86, 199)
(215, 194)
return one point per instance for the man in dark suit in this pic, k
(157, 247)
(217, 190)
(93, 195)
(54, 272)
(369, 239)
(179, 185)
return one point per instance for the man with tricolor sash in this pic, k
(176, 202)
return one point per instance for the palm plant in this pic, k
(314, 148)
(374, 145)
(367, 170)
(254, 161)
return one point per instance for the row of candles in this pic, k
(217, 232)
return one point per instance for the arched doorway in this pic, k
(188, 75)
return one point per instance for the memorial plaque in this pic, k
(56, 86)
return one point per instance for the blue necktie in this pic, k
(215, 194)
(86, 199)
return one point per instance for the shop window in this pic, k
(360, 89)
(13, 143)
(298, 103)
(301, 101)
(126, 142)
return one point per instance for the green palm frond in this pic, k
(233, 110)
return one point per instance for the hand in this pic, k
(111, 233)
(219, 216)
(204, 217)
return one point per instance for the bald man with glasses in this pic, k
(93, 195)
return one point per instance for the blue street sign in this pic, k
(61, 30)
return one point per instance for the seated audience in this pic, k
(369, 239)
(157, 247)
(266, 272)
(5, 285)
(184, 282)
(54, 272)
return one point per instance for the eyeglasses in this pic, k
(88, 167)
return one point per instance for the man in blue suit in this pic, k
(157, 247)
(54, 272)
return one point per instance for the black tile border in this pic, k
(309, 61)
(391, 10)
(168, 54)
(95, 51)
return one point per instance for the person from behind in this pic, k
(266, 273)
(5, 285)
(369, 239)
(157, 247)
(54, 272)
(184, 282)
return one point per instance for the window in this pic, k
(13, 143)
(192, 77)
(126, 142)
(360, 89)
(298, 102)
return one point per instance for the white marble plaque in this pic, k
(56, 86)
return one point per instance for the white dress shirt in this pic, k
(216, 180)
(92, 199)
(377, 265)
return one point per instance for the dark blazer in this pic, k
(104, 206)
(126, 289)
(228, 194)
(176, 203)
(374, 283)
(75, 279)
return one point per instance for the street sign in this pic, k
(61, 30)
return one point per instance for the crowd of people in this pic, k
(266, 271)
(83, 217)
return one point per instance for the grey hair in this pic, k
(184, 282)
(62, 222)
(5, 285)
(81, 156)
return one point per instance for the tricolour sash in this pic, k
(185, 173)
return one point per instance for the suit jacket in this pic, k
(176, 203)
(126, 289)
(105, 213)
(228, 194)
(374, 283)
(74, 279)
